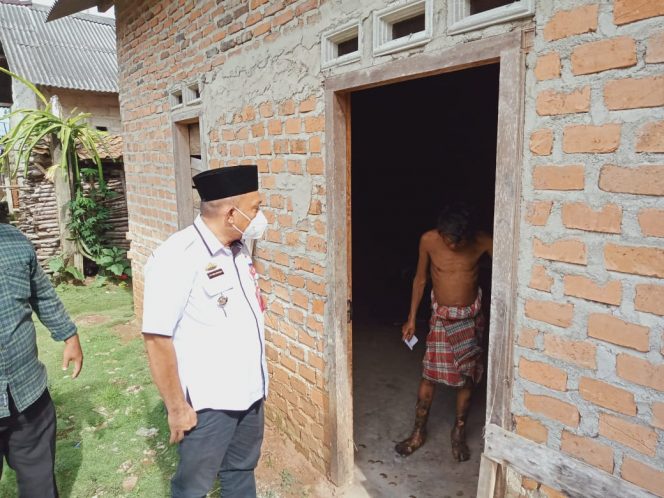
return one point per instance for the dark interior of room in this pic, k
(414, 146)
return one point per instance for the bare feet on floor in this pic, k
(460, 450)
(408, 446)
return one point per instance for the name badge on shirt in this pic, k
(215, 273)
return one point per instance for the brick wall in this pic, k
(588, 351)
(588, 360)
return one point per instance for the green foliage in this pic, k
(35, 126)
(62, 272)
(114, 263)
(89, 216)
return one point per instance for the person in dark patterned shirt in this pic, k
(27, 414)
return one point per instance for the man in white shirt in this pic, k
(203, 330)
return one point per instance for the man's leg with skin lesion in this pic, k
(460, 450)
(418, 436)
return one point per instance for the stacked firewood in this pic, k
(38, 210)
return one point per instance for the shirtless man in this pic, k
(453, 354)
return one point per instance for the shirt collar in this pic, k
(209, 238)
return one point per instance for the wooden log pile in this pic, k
(38, 214)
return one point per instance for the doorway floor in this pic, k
(386, 376)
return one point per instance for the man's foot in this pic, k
(408, 446)
(460, 450)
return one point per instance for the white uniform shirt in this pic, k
(210, 303)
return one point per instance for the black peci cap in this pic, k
(221, 183)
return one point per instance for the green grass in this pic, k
(100, 413)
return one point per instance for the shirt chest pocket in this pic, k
(16, 281)
(218, 289)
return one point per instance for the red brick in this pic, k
(644, 180)
(582, 216)
(637, 437)
(585, 288)
(553, 408)
(651, 137)
(315, 166)
(640, 371)
(547, 66)
(626, 11)
(593, 139)
(527, 338)
(594, 57)
(543, 374)
(588, 450)
(531, 429)
(643, 475)
(541, 142)
(568, 251)
(540, 279)
(538, 212)
(633, 93)
(616, 331)
(552, 103)
(559, 314)
(655, 51)
(652, 222)
(658, 415)
(581, 353)
(570, 177)
(607, 396)
(647, 261)
(649, 298)
(293, 126)
(576, 21)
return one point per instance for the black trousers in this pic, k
(224, 444)
(27, 442)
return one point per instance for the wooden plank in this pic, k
(555, 469)
(506, 234)
(194, 139)
(461, 56)
(486, 484)
(340, 378)
(184, 194)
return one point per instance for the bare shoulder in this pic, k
(429, 238)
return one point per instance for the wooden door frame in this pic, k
(509, 51)
(181, 118)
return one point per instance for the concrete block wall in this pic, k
(104, 107)
(588, 363)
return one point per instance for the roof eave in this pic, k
(64, 8)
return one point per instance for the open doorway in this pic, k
(414, 145)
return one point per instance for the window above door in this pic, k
(468, 15)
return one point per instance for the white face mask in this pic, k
(256, 227)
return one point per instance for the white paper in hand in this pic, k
(411, 342)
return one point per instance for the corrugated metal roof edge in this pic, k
(94, 90)
(109, 21)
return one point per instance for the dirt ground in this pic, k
(284, 473)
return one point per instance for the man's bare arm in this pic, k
(419, 283)
(164, 368)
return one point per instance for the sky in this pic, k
(109, 13)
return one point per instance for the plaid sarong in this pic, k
(453, 344)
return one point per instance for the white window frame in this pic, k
(330, 41)
(176, 98)
(460, 20)
(189, 93)
(384, 19)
